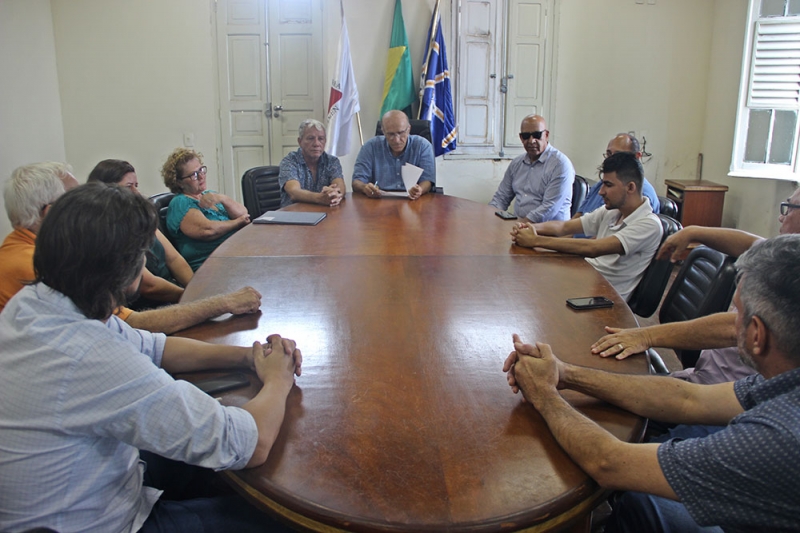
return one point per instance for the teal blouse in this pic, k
(194, 251)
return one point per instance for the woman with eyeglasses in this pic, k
(166, 271)
(198, 220)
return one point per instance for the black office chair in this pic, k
(418, 127)
(580, 188)
(704, 285)
(261, 191)
(161, 201)
(668, 207)
(646, 296)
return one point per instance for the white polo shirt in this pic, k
(640, 235)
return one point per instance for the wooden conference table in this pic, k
(402, 420)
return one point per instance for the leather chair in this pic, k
(646, 296)
(261, 191)
(704, 285)
(418, 127)
(668, 207)
(580, 188)
(161, 201)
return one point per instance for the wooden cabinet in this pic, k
(699, 201)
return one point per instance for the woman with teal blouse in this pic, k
(198, 220)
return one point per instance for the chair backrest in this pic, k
(418, 127)
(580, 187)
(161, 201)
(704, 285)
(646, 296)
(668, 207)
(261, 191)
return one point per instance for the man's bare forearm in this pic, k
(712, 331)
(658, 397)
(177, 317)
(729, 241)
(187, 355)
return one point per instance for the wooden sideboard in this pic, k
(699, 202)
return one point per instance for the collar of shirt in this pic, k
(640, 212)
(764, 389)
(542, 158)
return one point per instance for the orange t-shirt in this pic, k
(16, 267)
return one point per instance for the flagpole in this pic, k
(428, 57)
(360, 134)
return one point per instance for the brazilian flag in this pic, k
(398, 85)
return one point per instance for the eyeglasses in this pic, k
(196, 174)
(785, 206)
(397, 134)
(525, 135)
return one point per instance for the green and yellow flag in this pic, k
(398, 85)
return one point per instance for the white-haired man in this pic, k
(309, 174)
(28, 195)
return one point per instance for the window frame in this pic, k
(748, 101)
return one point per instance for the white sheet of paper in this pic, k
(411, 174)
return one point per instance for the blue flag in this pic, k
(436, 96)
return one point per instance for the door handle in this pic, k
(277, 111)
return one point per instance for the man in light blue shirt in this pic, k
(379, 162)
(540, 181)
(82, 392)
(623, 142)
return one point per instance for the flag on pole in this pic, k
(398, 84)
(436, 98)
(343, 103)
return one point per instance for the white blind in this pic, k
(775, 74)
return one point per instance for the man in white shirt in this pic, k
(83, 392)
(627, 231)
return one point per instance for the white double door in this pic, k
(270, 79)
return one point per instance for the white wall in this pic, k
(135, 76)
(30, 110)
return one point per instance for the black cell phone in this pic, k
(593, 302)
(224, 383)
(505, 215)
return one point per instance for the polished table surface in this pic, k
(402, 419)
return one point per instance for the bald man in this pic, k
(379, 162)
(622, 142)
(540, 181)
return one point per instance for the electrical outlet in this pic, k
(188, 140)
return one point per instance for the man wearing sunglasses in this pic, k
(539, 181)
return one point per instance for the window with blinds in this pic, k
(766, 137)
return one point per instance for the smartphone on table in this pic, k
(505, 215)
(591, 302)
(223, 383)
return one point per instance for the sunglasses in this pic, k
(525, 135)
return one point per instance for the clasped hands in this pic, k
(533, 369)
(524, 234)
(331, 195)
(278, 360)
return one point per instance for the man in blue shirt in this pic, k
(623, 142)
(379, 162)
(741, 478)
(540, 180)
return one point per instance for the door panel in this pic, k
(268, 84)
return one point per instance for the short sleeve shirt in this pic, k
(194, 251)
(745, 477)
(640, 235)
(293, 167)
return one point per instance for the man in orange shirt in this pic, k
(28, 196)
